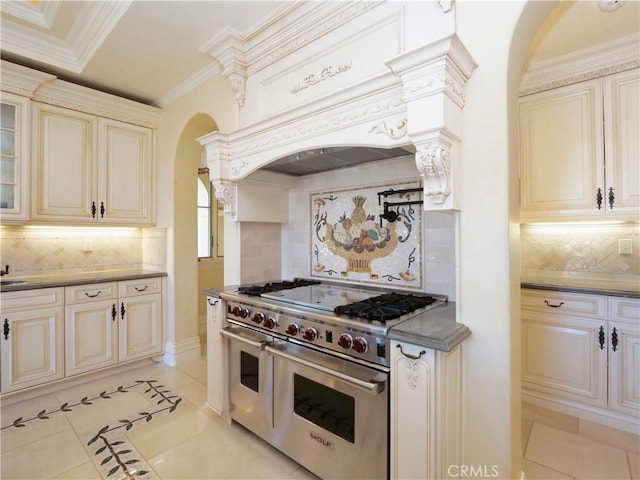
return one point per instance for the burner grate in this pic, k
(385, 307)
(257, 290)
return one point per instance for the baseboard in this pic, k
(182, 352)
(586, 412)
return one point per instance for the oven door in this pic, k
(250, 380)
(330, 415)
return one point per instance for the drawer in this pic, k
(565, 303)
(624, 310)
(32, 299)
(90, 293)
(140, 286)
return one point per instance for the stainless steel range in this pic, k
(309, 370)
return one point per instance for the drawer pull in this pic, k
(215, 302)
(601, 338)
(141, 289)
(553, 306)
(93, 296)
(408, 355)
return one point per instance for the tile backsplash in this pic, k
(30, 250)
(579, 248)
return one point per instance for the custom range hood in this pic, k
(332, 84)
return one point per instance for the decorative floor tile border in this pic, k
(114, 456)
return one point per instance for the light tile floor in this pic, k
(152, 422)
(558, 446)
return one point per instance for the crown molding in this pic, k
(21, 80)
(593, 62)
(189, 84)
(41, 15)
(77, 97)
(91, 27)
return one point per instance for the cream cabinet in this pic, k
(31, 348)
(91, 328)
(579, 150)
(14, 166)
(90, 169)
(582, 351)
(216, 356)
(112, 322)
(426, 393)
(624, 355)
(140, 317)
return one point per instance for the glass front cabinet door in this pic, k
(13, 167)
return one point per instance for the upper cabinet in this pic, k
(15, 155)
(74, 155)
(579, 150)
(90, 169)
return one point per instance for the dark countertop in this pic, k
(53, 278)
(436, 328)
(619, 285)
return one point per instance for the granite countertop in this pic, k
(619, 285)
(213, 291)
(56, 278)
(436, 328)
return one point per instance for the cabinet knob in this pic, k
(122, 311)
(6, 329)
(114, 312)
(614, 339)
(93, 210)
(101, 209)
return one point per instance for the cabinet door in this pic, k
(622, 142)
(91, 336)
(32, 348)
(126, 172)
(565, 357)
(216, 355)
(140, 326)
(624, 368)
(65, 172)
(412, 420)
(14, 157)
(561, 151)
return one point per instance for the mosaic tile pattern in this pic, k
(579, 248)
(36, 249)
(112, 453)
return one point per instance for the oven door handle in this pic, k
(370, 387)
(227, 333)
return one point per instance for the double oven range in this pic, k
(309, 370)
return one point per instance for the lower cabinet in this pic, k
(582, 351)
(216, 357)
(31, 348)
(49, 334)
(426, 395)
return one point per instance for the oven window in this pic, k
(249, 371)
(329, 409)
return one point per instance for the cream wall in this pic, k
(496, 37)
(177, 200)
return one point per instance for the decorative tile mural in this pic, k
(369, 235)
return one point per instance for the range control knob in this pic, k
(270, 323)
(258, 317)
(345, 341)
(310, 334)
(236, 311)
(244, 312)
(360, 345)
(293, 329)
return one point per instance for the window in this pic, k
(210, 219)
(205, 235)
